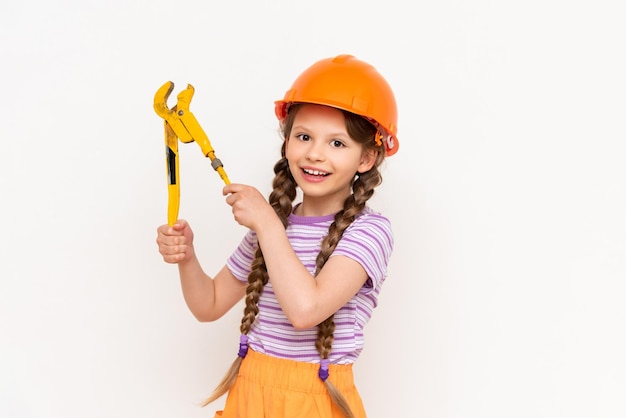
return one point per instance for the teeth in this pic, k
(315, 172)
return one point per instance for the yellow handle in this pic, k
(173, 175)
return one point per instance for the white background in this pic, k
(506, 290)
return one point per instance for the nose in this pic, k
(315, 151)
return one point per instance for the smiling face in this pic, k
(324, 159)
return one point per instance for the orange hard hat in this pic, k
(347, 83)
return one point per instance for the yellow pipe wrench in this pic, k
(181, 124)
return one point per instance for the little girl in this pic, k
(310, 272)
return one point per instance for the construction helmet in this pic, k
(350, 84)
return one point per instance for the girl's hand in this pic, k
(249, 207)
(175, 242)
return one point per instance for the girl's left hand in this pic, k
(249, 207)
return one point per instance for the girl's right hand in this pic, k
(175, 242)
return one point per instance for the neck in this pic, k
(315, 207)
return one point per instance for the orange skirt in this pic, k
(277, 388)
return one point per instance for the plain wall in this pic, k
(507, 196)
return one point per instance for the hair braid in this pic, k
(281, 199)
(284, 189)
(362, 191)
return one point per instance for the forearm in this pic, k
(198, 289)
(294, 286)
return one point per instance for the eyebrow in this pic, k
(307, 129)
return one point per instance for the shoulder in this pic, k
(372, 222)
(370, 230)
(369, 241)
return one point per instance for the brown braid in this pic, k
(281, 199)
(284, 188)
(362, 190)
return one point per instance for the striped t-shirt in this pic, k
(368, 240)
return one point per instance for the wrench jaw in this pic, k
(184, 100)
(181, 116)
(160, 100)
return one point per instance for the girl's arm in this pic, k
(207, 298)
(305, 299)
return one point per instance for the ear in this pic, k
(368, 159)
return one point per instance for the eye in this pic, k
(303, 137)
(337, 143)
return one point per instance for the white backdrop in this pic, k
(505, 293)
